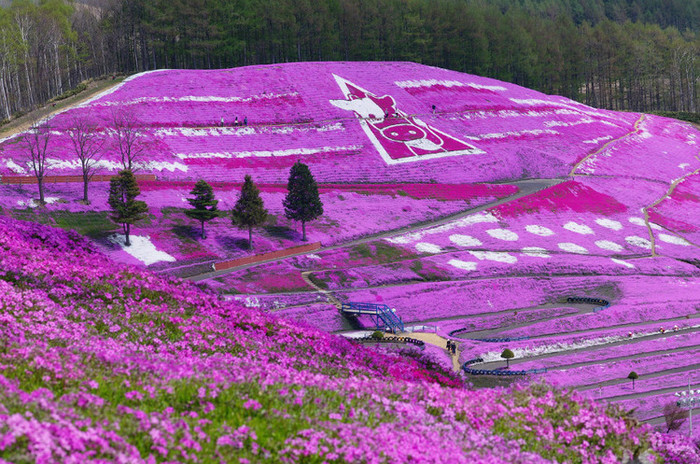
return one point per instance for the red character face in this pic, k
(403, 133)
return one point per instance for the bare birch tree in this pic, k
(35, 144)
(87, 144)
(128, 135)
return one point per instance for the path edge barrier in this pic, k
(602, 304)
(405, 340)
(224, 265)
(498, 372)
(31, 180)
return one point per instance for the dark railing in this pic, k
(381, 315)
(404, 340)
(600, 303)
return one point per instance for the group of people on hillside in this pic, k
(451, 347)
(236, 122)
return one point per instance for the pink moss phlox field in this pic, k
(570, 217)
(293, 113)
(350, 212)
(463, 265)
(104, 362)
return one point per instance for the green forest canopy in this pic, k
(618, 54)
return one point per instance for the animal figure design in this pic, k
(397, 136)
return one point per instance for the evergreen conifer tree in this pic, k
(302, 202)
(249, 210)
(204, 204)
(126, 210)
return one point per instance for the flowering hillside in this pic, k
(395, 124)
(350, 122)
(108, 363)
(494, 216)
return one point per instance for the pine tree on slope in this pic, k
(302, 202)
(204, 204)
(126, 210)
(249, 210)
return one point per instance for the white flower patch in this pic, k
(637, 221)
(14, 166)
(427, 83)
(535, 252)
(165, 166)
(250, 302)
(495, 88)
(141, 248)
(31, 203)
(313, 256)
(638, 242)
(578, 228)
(198, 99)
(598, 140)
(434, 82)
(609, 223)
(503, 234)
(503, 135)
(464, 265)
(572, 248)
(684, 165)
(117, 166)
(566, 346)
(425, 247)
(498, 256)
(542, 231)
(608, 245)
(464, 222)
(624, 263)
(117, 87)
(567, 124)
(464, 240)
(674, 240)
(268, 153)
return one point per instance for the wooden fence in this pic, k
(267, 256)
(21, 180)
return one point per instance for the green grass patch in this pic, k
(94, 224)
(379, 251)
(318, 282)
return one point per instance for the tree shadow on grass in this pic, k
(233, 243)
(188, 232)
(282, 232)
(107, 244)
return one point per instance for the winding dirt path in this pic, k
(669, 192)
(605, 146)
(331, 298)
(24, 123)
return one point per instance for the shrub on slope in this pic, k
(107, 363)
